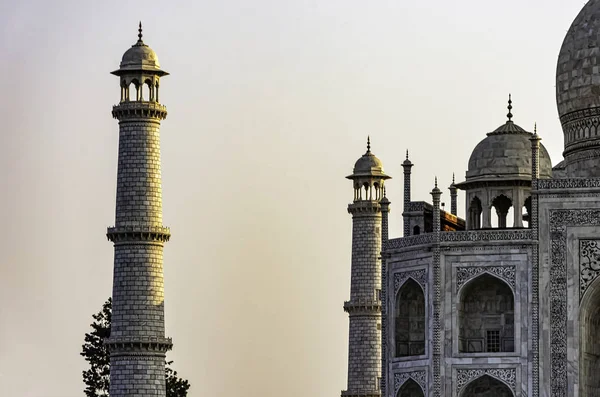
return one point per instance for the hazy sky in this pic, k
(270, 104)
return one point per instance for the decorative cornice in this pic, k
(579, 114)
(487, 235)
(139, 109)
(138, 233)
(362, 306)
(410, 241)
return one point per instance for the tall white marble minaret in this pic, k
(137, 343)
(364, 306)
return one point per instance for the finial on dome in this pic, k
(140, 42)
(509, 115)
(407, 154)
(384, 191)
(436, 182)
(535, 128)
(368, 144)
(453, 178)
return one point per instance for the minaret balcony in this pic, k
(366, 306)
(139, 109)
(138, 233)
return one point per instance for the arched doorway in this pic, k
(410, 388)
(410, 320)
(486, 316)
(486, 386)
(503, 205)
(589, 343)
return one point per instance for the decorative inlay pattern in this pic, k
(589, 264)
(417, 376)
(559, 221)
(465, 376)
(420, 239)
(571, 183)
(420, 276)
(486, 235)
(464, 274)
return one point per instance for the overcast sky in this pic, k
(270, 104)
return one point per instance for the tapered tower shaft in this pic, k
(137, 342)
(364, 306)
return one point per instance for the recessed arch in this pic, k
(486, 316)
(410, 388)
(487, 386)
(416, 230)
(475, 211)
(502, 204)
(589, 345)
(409, 320)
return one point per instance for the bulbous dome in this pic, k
(578, 69)
(578, 93)
(140, 56)
(505, 154)
(368, 165)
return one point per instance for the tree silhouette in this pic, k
(97, 377)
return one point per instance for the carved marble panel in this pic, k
(417, 376)
(589, 264)
(464, 274)
(466, 376)
(420, 276)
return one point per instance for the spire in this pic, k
(140, 42)
(368, 144)
(509, 115)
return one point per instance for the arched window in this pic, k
(486, 316)
(486, 386)
(589, 345)
(410, 388)
(416, 230)
(410, 320)
(527, 212)
(475, 210)
(503, 206)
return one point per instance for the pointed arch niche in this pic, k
(410, 320)
(486, 310)
(589, 343)
(410, 388)
(487, 386)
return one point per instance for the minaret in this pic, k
(137, 342)
(364, 306)
(453, 195)
(407, 165)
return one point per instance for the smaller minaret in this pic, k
(437, 323)
(385, 210)
(453, 194)
(407, 165)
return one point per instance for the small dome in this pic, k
(368, 165)
(140, 56)
(506, 154)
